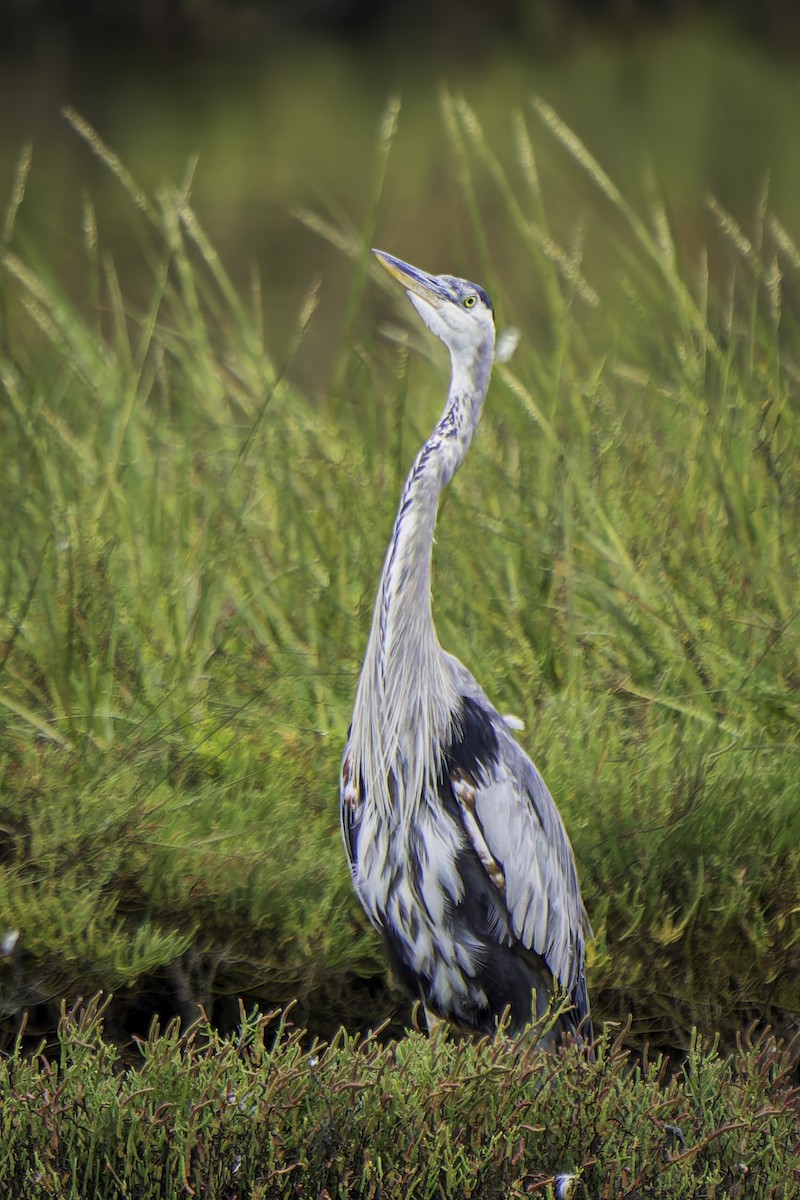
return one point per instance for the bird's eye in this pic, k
(470, 301)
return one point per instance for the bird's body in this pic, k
(458, 853)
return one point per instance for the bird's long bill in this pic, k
(413, 280)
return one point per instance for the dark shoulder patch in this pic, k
(473, 745)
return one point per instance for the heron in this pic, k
(458, 853)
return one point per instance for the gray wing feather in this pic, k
(524, 832)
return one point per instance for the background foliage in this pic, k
(163, 24)
(192, 547)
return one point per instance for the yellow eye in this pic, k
(470, 301)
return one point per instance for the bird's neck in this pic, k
(406, 693)
(403, 619)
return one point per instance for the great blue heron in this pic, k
(458, 852)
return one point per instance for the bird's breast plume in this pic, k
(507, 342)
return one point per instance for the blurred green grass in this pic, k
(288, 123)
(192, 547)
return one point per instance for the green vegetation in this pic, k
(259, 1115)
(191, 548)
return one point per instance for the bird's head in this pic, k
(458, 312)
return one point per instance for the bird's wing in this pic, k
(349, 805)
(351, 810)
(519, 837)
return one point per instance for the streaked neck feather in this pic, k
(406, 696)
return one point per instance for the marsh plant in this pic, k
(264, 1115)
